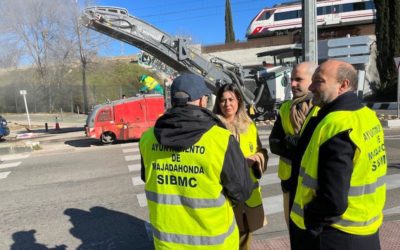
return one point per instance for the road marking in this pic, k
(14, 157)
(273, 161)
(130, 150)
(132, 157)
(270, 179)
(392, 136)
(136, 181)
(393, 210)
(134, 167)
(392, 181)
(4, 175)
(273, 204)
(9, 165)
(142, 200)
(131, 144)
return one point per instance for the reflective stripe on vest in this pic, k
(193, 240)
(187, 208)
(370, 188)
(184, 201)
(249, 146)
(346, 223)
(367, 192)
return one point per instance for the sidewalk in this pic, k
(389, 236)
(22, 139)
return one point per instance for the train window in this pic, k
(286, 15)
(264, 16)
(359, 6)
(300, 13)
(347, 7)
(332, 9)
(369, 5)
(321, 11)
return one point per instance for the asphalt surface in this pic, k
(71, 127)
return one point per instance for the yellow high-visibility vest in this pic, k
(367, 193)
(187, 208)
(248, 145)
(285, 165)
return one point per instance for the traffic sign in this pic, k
(354, 40)
(22, 92)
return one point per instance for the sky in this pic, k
(202, 20)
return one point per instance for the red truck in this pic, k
(124, 119)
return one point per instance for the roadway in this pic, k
(76, 193)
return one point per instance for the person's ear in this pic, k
(344, 86)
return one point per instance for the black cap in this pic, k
(189, 86)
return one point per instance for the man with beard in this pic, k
(287, 127)
(340, 190)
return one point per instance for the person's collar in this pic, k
(345, 102)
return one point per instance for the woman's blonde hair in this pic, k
(241, 116)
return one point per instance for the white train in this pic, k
(330, 13)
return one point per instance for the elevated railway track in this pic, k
(292, 37)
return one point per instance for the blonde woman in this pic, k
(229, 107)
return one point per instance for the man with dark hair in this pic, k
(341, 159)
(194, 172)
(286, 130)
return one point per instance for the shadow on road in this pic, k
(87, 142)
(83, 142)
(27, 240)
(102, 228)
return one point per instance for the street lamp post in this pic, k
(23, 93)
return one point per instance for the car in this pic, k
(4, 130)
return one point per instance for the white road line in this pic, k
(4, 175)
(142, 200)
(392, 136)
(392, 181)
(136, 181)
(270, 179)
(13, 157)
(132, 157)
(130, 150)
(393, 210)
(134, 167)
(273, 161)
(273, 204)
(131, 144)
(9, 165)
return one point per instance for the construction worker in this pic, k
(194, 173)
(292, 115)
(341, 154)
(150, 85)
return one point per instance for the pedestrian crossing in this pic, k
(272, 203)
(9, 162)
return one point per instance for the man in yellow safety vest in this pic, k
(194, 173)
(287, 127)
(341, 159)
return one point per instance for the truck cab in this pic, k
(124, 119)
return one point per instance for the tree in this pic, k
(387, 32)
(229, 33)
(35, 27)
